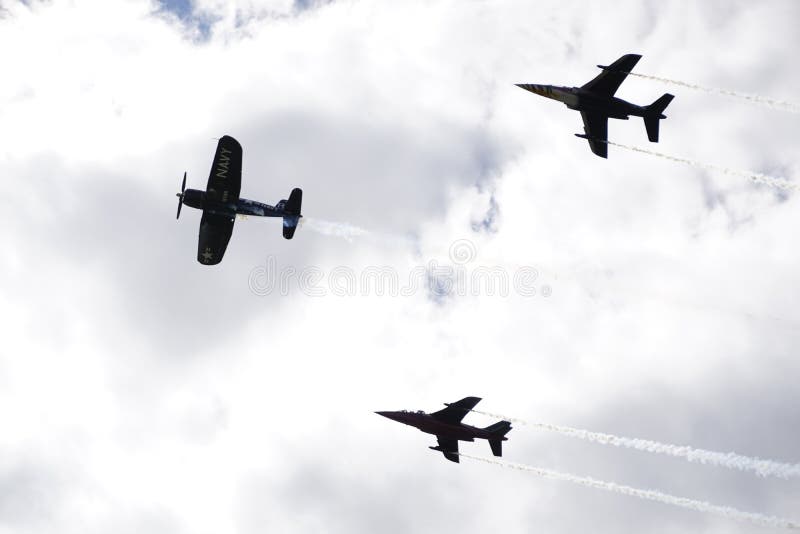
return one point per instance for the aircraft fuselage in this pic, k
(195, 198)
(430, 425)
(583, 100)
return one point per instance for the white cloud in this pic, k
(141, 391)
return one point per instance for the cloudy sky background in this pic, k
(141, 391)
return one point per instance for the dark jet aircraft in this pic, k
(446, 425)
(597, 103)
(221, 204)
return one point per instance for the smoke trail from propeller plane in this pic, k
(730, 460)
(346, 231)
(350, 232)
(649, 495)
(783, 105)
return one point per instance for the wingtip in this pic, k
(227, 139)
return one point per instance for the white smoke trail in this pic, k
(757, 177)
(731, 460)
(339, 229)
(650, 495)
(783, 105)
(350, 232)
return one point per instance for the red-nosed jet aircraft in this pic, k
(597, 103)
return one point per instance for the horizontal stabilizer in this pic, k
(658, 107)
(290, 225)
(498, 432)
(295, 201)
(651, 124)
(499, 429)
(655, 112)
(292, 207)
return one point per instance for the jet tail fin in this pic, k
(655, 112)
(292, 207)
(497, 447)
(498, 431)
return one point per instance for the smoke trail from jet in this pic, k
(731, 460)
(757, 177)
(650, 495)
(346, 231)
(783, 105)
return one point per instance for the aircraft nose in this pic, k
(388, 415)
(532, 87)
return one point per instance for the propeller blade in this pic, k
(180, 195)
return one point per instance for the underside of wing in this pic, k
(608, 81)
(215, 232)
(225, 178)
(448, 447)
(456, 411)
(595, 126)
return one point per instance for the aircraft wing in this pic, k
(608, 81)
(215, 232)
(448, 447)
(595, 126)
(456, 411)
(225, 178)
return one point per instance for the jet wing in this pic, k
(607, 82)
(448, 447)
(595, 126)
(215, 232)
(456, 411)
(225, 178)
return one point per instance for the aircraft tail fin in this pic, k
(292, 207)
(498, 431)
(655, 112)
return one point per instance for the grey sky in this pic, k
(142, 391)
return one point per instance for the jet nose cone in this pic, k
(388, 415)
